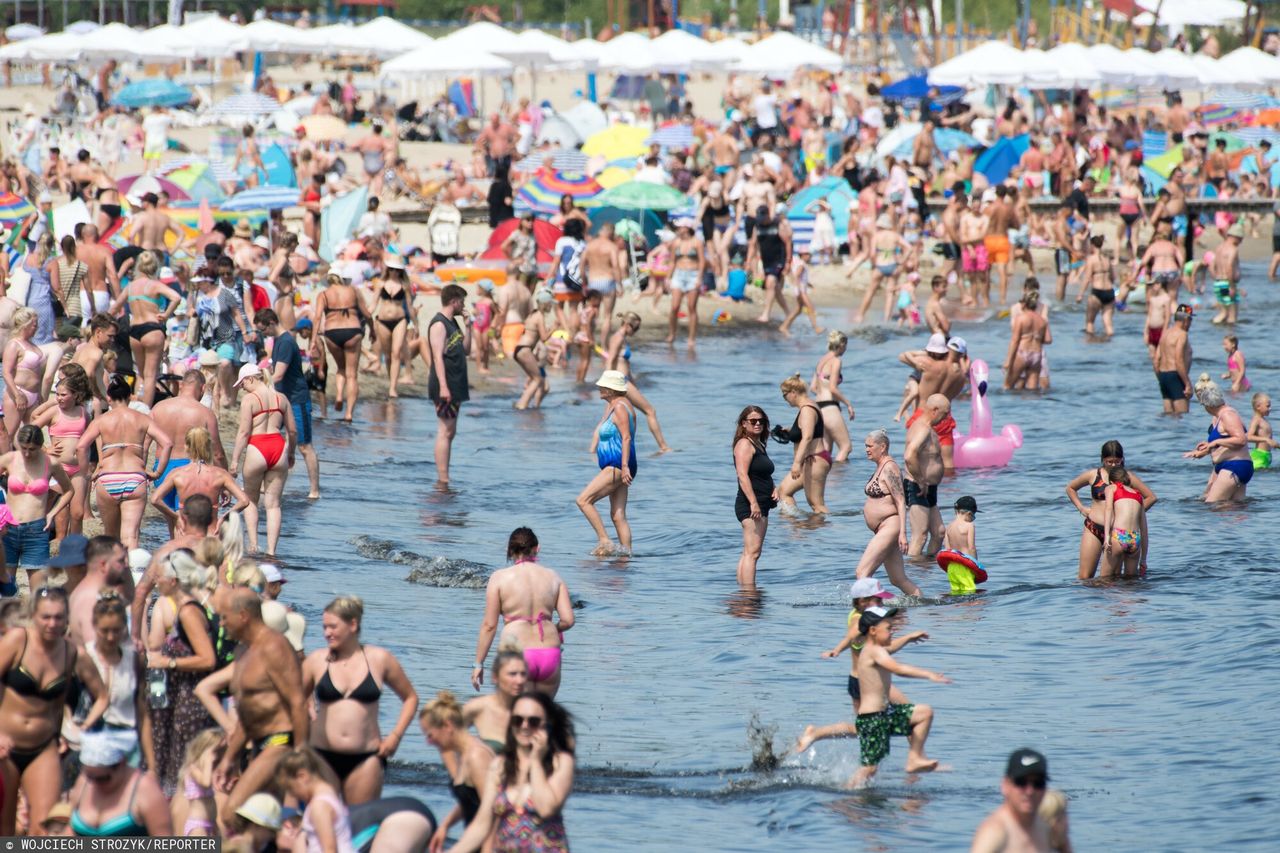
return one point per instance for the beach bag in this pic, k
(570, 268)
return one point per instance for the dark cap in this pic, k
(71, 553)
(1024, 763)
(1184, 312)
(873, 616)
(966, 504)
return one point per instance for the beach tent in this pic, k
(545, 236)
(544, 50)
(589, 52)
(338, 220)
(210, 37)
(910, 91)
(443, 58)
(994, 63)
(998, 161)
(1176, 69)
(1190, 13)
(1212, 73)
(781, 54)
(484, 37)
(837, 193)
(279, 169)
(388, 37)
(22, 32)
(59, 47)
(557, 130)
(268, 36)
(586, 119)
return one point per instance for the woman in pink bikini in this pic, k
(67, 418)
(526, 594)
(23, 373)
(26, 535)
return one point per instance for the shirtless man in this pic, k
(922, 473)
(757, 192)
(179, 415)
(924, 149)
(725, 151)
(999, 252)
(1016, 826)
(266, 681)
(80, 175)
(1217, 164)
(514, 302)
(102, 328)
(459, 190)
(1173, 363)
(934, 314)
(1176, 120)
(951, 240)
(931, 362)
(1165, 259)
(101, 284)
(1159, 309)
(1060, 231)
(601, 264)
(1225, 273)
(195, 520)
(106, 565)
(149, 229)
(376, 151)
(496, 142)
(878, 717)
(973, 251)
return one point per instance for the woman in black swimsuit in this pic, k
(813, 450)
(1099, 271)
(717, 218)
(392, 318)
(347, 678)
(756, 492)
(466, 757)
(37, 665)
(339, 320)
(1112, 456)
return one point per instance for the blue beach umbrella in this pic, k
(153, 92)
(837, 193)
(262, 198)
(909, 91)
(998, 160)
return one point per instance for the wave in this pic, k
(430, 571)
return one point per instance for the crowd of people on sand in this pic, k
(130, 676)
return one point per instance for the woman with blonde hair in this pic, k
(338, 313)
(23, 373)
(268, 456)
(201, 477)
(825, 385)
(464, 755)
(347, 679)
(812, 460)
(151, 304)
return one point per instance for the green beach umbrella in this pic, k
(640, 195)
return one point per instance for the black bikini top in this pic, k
(367, 692)
(24, 684)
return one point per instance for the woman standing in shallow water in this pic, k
(756, 492)
(1226, 444)
(885, 511)
(613, 443)
(1091, 538)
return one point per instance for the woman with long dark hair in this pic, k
(1091, 538)
(528, 785)
(756, 492)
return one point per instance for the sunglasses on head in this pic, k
(51, 592)
(520, 722)
(1037, 782)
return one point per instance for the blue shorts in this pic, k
(171, 499)
(228, 352)
(27, 545)
(302, 419)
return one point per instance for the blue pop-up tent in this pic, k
(998, 161)
(910, 91)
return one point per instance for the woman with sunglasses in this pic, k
(756, 492)
(37, 665)
(526, 789)
(31, 473)
(112, 799)
(618, 357)
(121, 481)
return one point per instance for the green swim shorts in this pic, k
(874, 730)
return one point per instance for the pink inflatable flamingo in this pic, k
(981, 449)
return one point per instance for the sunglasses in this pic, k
(520, 722)
(51, 592)
(755, 421)
(1037, 782)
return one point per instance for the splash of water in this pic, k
(431, 571)
(760, 739)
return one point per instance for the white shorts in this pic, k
(685, 281)
(101, 302)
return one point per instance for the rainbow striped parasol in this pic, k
(14, 209)
(542, 195)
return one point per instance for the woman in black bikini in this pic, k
(466, 757)
(1112, 456)
(813, 450)
(37, 664)
(339, 321)
(345, 733)
(885, 512)
(536, 332)
(825, 386)
(151, 304)
(756, 492)
(282, 274)
(392, 317)
(1099, 271)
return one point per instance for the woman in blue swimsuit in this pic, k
(112, 799)
(1225, 444)
(613, 441)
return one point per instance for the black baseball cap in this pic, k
(873, 616)
(966, 504)
(1025, 763)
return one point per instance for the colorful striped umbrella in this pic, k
(245, 106)
(199, 182)
(134, 187)
(562, 159)
(675, 135)
(542, 195)
(14, 209)
(640, 195)
(262, 198)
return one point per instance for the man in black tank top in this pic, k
(449, 334)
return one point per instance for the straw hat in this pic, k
(243, 229)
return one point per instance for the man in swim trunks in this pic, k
(179, 415)
(1016, 825)
(266, 681)
(923, 470)
(1060, 230)
(973, 253)
(101, 281)
(1173, 363)
(999, 220)
(951, 239)
(878, 717)
(1225, 272)
(601, 265)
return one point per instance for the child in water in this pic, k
(1126, 528)
(804, 302)
(585, 337)
(962, 537)
(482, 322)
(866, 593)
(879, 716)
(908, 310)
(1159, 304)
(1235, 364)
(1260, 432)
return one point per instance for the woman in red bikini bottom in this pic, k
(264, 412)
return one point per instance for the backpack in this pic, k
(570, 268)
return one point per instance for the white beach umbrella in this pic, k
(388, 37)
(442, 59)
(781, 54)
